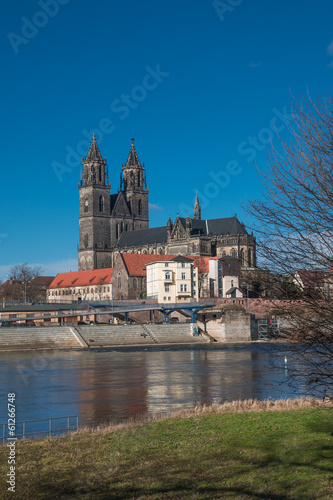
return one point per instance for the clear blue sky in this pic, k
(221, 76)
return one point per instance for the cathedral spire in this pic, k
(94, 153)
(197, 208)
(133, 160)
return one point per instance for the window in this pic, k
(100, 173)
(86, 205)
(166, 264)
(119, 281)
(164, 298)
(183, 288)
(85, 241)
(242, 257)
(183, 276)
(101, 204)
(167, 288)
(169, 298)
(194, 275)
(140, 207)
(168, 276)
(194, 283)
(232, 282)
(183, 264)
(249, 263)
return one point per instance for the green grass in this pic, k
(263, 455)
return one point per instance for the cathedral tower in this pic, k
(94, 189)
(197, 208)
(131, 208)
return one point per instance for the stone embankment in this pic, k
(24, 338)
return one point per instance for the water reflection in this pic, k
(103, 384)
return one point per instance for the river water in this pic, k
(106, 384)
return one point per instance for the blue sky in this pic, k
(194, 81)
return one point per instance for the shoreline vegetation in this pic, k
(240, 449)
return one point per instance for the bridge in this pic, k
(191, 308)
(68, 310)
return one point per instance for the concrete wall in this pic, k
(233, 325)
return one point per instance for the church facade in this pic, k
(119, 223)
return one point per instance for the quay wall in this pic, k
(83, 337)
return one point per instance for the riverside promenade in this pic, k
(84, 337)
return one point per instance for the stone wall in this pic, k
(231, 325)
(260, 308)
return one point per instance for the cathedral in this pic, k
(112, 223)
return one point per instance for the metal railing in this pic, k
(25, 428)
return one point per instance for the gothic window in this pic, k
(242, 257)
(85, 241)
(224, 254)
(101, 204)
(119, 281)
(117, 232)
(140, 207)
(145, 251)
(233, 253)
(249, 261)
(100, 173)
(86, 205)
(122, 227)
(139, 179)
(135, 283)
(160, 251)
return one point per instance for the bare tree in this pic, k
(294, 226)
(25, 287)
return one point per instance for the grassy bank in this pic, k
(240, 450)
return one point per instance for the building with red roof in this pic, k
(74, 286)
(214, 275)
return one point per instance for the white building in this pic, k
(173, 281)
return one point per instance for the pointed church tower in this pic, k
(197, 208)
(133, 185)
(94, 189)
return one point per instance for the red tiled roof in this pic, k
(202, 263)
(43, 280)
(82, 278)
(136, 262)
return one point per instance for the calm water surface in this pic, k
(102, 384)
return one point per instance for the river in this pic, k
(114, 384)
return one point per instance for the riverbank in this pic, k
(238, 450)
